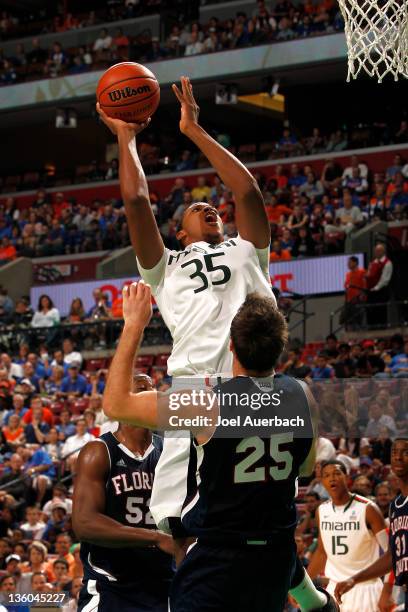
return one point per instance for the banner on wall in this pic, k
(314, 276)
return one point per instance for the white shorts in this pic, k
(361, 598)
(170, 479)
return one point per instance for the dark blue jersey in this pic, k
(399, 539)
(242, 482)
(128, 490)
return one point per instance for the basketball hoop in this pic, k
(377, 37)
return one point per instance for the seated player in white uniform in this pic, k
(199, 289)
(351, 532)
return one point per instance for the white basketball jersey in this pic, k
(349, 545)
(198, 292)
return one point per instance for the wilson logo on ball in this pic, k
(127, 92)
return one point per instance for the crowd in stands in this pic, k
(50, 406)
(286, 21)
(309, 213)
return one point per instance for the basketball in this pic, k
(128, 91)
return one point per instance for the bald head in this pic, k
(379, 251)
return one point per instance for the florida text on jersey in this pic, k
(399, 539)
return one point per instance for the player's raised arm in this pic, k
(119, 403)
(144, 233)
(251, 219)
(89, 521)
(143, 409)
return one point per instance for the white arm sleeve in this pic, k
(382, 539)
(263, 256)
(154, 276)
(385, 276)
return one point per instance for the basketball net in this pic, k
(377, 37)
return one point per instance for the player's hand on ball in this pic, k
(165, 543)
(189, 107)
(343, 587)
(137, 304)
(117, 125)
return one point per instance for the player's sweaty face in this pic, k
(399, 458)
(202, 222)
(333, 479)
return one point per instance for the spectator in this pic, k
(195, 46)
(62, 546)
(322, 370)
(63, 581)
(312, 187)
(278, 253)
(74, 384)
(18, 408)
(37, 55)
(330, 347)
(53, 384)
(186, 162)
(399, 364)
(202, 192)
(41, 470)
(120, 44)
(74, 444)
(70, 354)
(100, 309)
(13, 432)
(82, 220)
(356, 183)
(37, 556)
(294, 366)
(348, 216)
(57, 524)
(355, 282)
(298, 218)
(378, 280)
(383, 498)
(65, 428)
(308, 524)
(56, 61)
(304, 245)
(17, 487)
(33, 528)
(112, 173)
(378, 420)
(355, 165)
(59, 493)
(23, 313)
(7, 251)
(331, 175)
(46, 314)
(46, 414)
(35, 432)
(276, 212)
(53, 445)
(76, 312)
(396, 167)
(8, 75)
(102, 43)
(6, 305)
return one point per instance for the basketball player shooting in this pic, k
(200, 288)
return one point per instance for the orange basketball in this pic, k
(128, 91)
